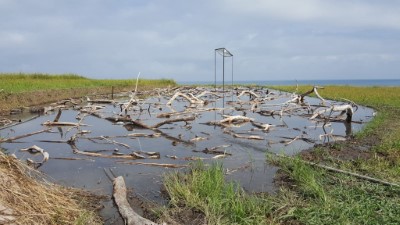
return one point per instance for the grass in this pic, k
(17, 83)
(206, 190)
(311, 195)
(21, 90)
(326, 198)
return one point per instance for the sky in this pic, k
(176, 39)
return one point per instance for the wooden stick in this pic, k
(250, 137)
(22, 136)
(153, 164)
(190, 118)
(130, 216)
(49, 123)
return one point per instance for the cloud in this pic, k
(351, 13)
(176, 39)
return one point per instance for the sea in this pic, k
(372, 82)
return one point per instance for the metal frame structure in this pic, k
(224, 53)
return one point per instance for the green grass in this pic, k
(321, 197)
(16, 83)
(206, 190)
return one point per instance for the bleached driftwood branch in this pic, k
(315, 90)
(36, 149)
(130, 216)
(348, 109)
(192, 99)
(22, 136)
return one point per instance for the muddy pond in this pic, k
(236, 127)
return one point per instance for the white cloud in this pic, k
(176, 39)
(333, 12)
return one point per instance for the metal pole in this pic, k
(215, 70)
(232, 79)
(223, 79)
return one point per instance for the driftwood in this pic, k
(238, 119)
(50, 123)
(166, 165)
(130, 216)
(264, 127)
(251, 94)
(192, 99)
(70, 158)
(144, 135)
(22, 136)
(94, 154)
(214, 150)
(315, 90)
(100, 101)
(348, 109)
(190, 118)
(36, 149)
(250, 137)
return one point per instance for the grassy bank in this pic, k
(17, 83)
(307, 194)
(19, 90)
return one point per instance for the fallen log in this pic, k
(94, 154)
(190, 118)
(130, 216)
(250, 137)
(154, 164)
(22, 136)
(50, 123)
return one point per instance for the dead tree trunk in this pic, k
(130, 216)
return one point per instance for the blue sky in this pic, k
(270, 39)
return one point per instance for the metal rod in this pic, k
(223, 79)
(215, 70)
(232, 79)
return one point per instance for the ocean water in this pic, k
(388, 82)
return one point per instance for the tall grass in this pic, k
(16, 83)
(205, 189)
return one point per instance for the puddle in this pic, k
(246, 164)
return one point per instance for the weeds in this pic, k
(205, 189)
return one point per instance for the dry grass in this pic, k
(32, 200)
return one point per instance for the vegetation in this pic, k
(21, 90)
(311, 195)
(205, 189)
(16, 83)
(30, 201)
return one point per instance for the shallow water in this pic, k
(247, 164)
